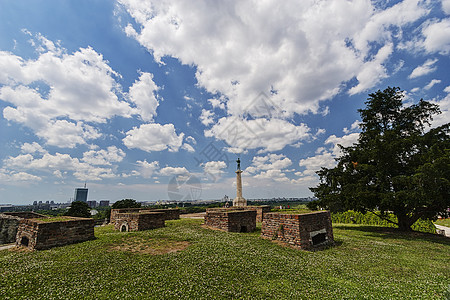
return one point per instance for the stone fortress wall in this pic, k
(260, 210)
(137, 221)
(9, 222)
(231, 220)
(42, 234)
(170, 213)
(307, 231)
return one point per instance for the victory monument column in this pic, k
(239, 200)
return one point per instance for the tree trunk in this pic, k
(404, 222)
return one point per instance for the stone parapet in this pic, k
(260, 210)
(9, 222)
(307, 231)
(169, 213)
(39, 234)
(231, 220)
(25, 214)
(8, 228)
(139, 221)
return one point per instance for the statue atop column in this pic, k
(239, 200)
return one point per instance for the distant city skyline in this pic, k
(155, 100)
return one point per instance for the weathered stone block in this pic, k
(169, 214)
(25, 214)
(44, 233)
(307, 231)
(138, 221)
(231, 220)
(9, 222)
(260, 210)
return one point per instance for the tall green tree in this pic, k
(126, 203)
(79, 209)
(396, 165)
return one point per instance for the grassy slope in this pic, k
(443, 222)
(368, 262)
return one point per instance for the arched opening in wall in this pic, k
(24, 241)
(243, 229)
(319, 238)
(124, 227)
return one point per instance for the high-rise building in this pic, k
(80, 194)
(104, 203)
(92, 203)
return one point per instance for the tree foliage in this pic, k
(126, 203)
(79, 209)
(395, 166)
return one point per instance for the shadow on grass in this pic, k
(395, 233)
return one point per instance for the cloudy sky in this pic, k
(156, 99)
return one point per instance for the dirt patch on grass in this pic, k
(212, 228)
(20, 249)
(150, 246)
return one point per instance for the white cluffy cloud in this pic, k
(57, 164)
(145, 169)
(152, 170)
(432, 83)
(214, 167)
(437, 36)
(171, 171)
(62, 96)
(324, 157)
(268, 134)
(143, 94)
(154, 137)
(57, 94)
(13, 177)
(271, 166)
(346, 141)
(444, 106)
(32, 148)
(353, 127)
(207, 117)
(298, 52)
(427, 68)
(103, 157)
(446, 6)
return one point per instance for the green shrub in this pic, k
(126, 203)
(78, 209)
(370, 218)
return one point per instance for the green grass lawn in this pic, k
(443, 222)
(367, 262)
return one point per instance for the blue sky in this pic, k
(156, 100)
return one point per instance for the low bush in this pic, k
(369, 218)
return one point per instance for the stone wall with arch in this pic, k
(138, 221)
(306, 231)
(231, 220)
(39, 234)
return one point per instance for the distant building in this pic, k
(104, 203)
(80, 194)
(92, 203)
(6, 207)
